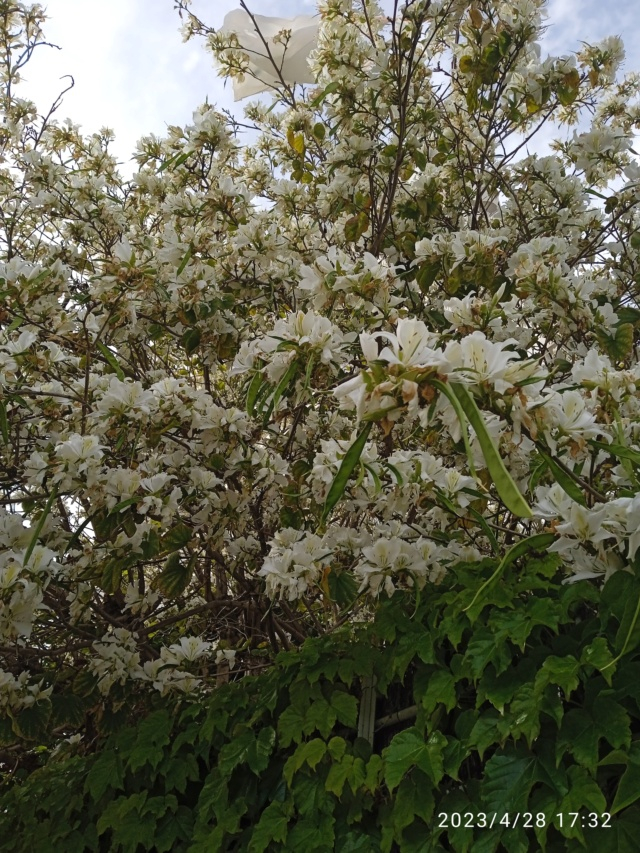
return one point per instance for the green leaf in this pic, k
(619, 450)
(347, 466)
(502, 480)
(507, 783)
(629, 786)
(311, 753)
(409, 749)
(184, 261)
(563, 479)
(111, 360)
(191, 340)
(356, 226)
(272, 827)
(31, 723)
(440, 689)
(40, 524)
(621, 836)
(261, 749)
(112, 575)
(236, 752)
(282, 386)
(537, 542)
(4, 425)
(330, 89)
(338, 775)
(174, 577)
(584, 795)
(105, 774)
(345, 706)
(252, 394)
(151, 737)
(176, 538)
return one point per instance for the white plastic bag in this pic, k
(292, 62)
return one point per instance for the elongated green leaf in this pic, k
(563, 479)
(4, 424)
(447, 390)
(347, 466)
(111, 360)
(537, 542)
(332, 87)
(280, 389)
(619, 450)
(488, 532)
(184, 261)
(504, 484)
(40, 525)
(252, 394)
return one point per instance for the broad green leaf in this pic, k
(311, 753)
(508, 780)
(236, 752)
(629, 786)
(502, 480)
(31, 723)
(105, 773)
(410, 749)
(176, 538)
(345, 706)
(112, 575)
(272, 827)
(111, 360)
(345, 471)
(440, 689)
(338, 775)
(174, 577)
(191, 340)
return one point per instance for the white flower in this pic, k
(288, 40)
(476, 359)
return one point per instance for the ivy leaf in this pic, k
(345, 706)
(409, 749)
(151, 738)
(620, 837)
(236, 752)
(629, 786)
(440, 689)
(260, 750)
(105, 774)
(508, 779)
(272, 826)
(311, 753)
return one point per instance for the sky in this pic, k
(134, 74)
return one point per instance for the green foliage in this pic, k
(523, 708)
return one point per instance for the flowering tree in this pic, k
(376, 363)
